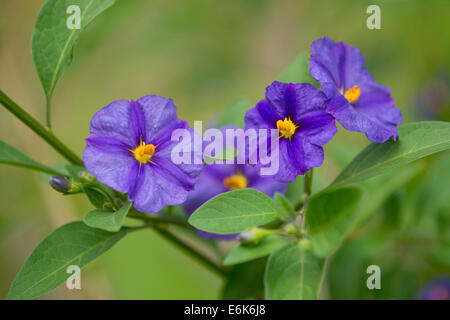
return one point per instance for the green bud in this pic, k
(64, 185)
(305, 245)
(254, 235)
(86, 178)
(291, 228)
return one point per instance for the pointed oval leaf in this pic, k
(12, 156)
(105, 220)
(417, 140)
(53, 41)
(329, 217)
(234, 211)
(292, 274)
(46, 268)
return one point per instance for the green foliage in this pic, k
(52, 43)
(417, 140)
(284, 205)
(106, 220)
(246, 252)
(234, 211)
(72, 244)
(234, 114)
(292, 274)
(329, 216)
(12, 156)
(245, 281)
(298, 72)
(97, 198)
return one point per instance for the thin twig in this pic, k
(39, 129)
(206, 261)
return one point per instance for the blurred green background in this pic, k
(204, 54)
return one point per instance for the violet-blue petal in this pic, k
(109, 160)
(339, 67)
(114, 121)
(353, 119)
(159, 113)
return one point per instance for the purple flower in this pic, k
(219, 178)
(356, 101)
(129, 149)
(298, 112)
(437, 289)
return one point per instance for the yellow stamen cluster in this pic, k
(144, 152)
(237, 181)
(352, 94)
(286, 127)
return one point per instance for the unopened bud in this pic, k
(254, 235)
(86, 178)
(291, 228)
(305, 245)
(64, 185)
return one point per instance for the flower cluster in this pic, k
(130, 143)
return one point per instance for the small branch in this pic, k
(206, 261)
(39, 129)
(48, 113)
(305, 198)
(148, 218)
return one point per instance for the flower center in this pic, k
(237, 181)
(352, 94)
(286, 127)
(144, 152)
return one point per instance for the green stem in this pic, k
(147, 217)
(48, 113)
(39, 129)
(206, 261)
(305, 197)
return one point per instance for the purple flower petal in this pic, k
(108, 160)
(339, 67)
(114, 121)
(365, 120)
(159, 113)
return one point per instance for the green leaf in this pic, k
(105, 220)
(417, 140)
(284, 205)
(234, 114)
(298, 72)
(72, 244)
(234, 211)
(227, 154)
(12, 156)
(96, 197)
(292, 274)
(377, 189)
(52, 43)
(330, 215)
(245, 281)
(246, 252)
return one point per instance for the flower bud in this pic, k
(254, 235)
(86, 178)
(305, 245)
(291, 228)
(64, 185)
